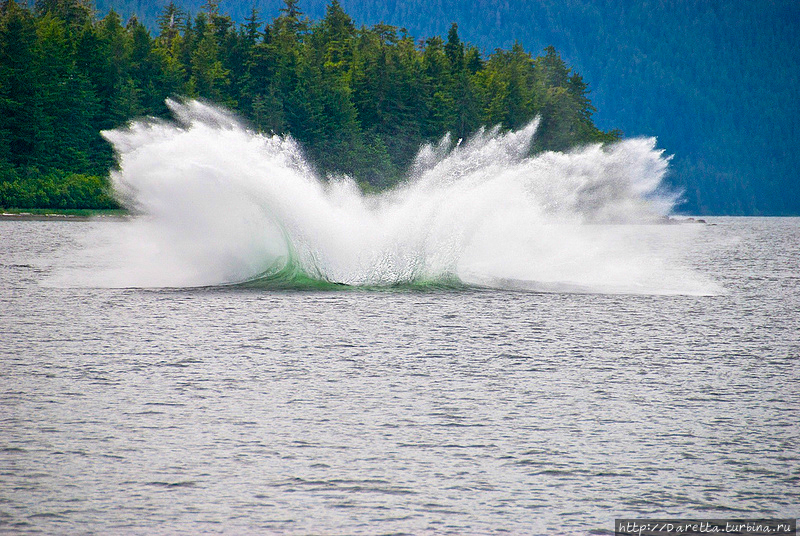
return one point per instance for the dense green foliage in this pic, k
(716, 81)
(54, 189)
(360, 100)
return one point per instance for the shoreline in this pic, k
(79, 215)
(116, 215)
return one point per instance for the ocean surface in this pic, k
(227, 409)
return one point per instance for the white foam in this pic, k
(217, 204)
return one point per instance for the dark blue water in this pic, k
(229, 410)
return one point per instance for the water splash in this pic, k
(219, 204)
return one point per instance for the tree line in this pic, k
(359, 100)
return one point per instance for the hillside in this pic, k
(717, 82)
(360, 101)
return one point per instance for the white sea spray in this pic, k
(216, 203)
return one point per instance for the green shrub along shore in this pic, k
(55, 190)
(360, 100)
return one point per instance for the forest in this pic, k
(716, 82)
(360, 100)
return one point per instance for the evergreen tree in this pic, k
(65, 103)
(170, 22)
(18, 83)
(209, 77)
(454, 49)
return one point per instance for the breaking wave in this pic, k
(218, 204)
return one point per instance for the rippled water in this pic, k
(342, 412)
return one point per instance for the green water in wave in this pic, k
(293, 277)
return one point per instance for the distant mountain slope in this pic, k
(717, 82)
